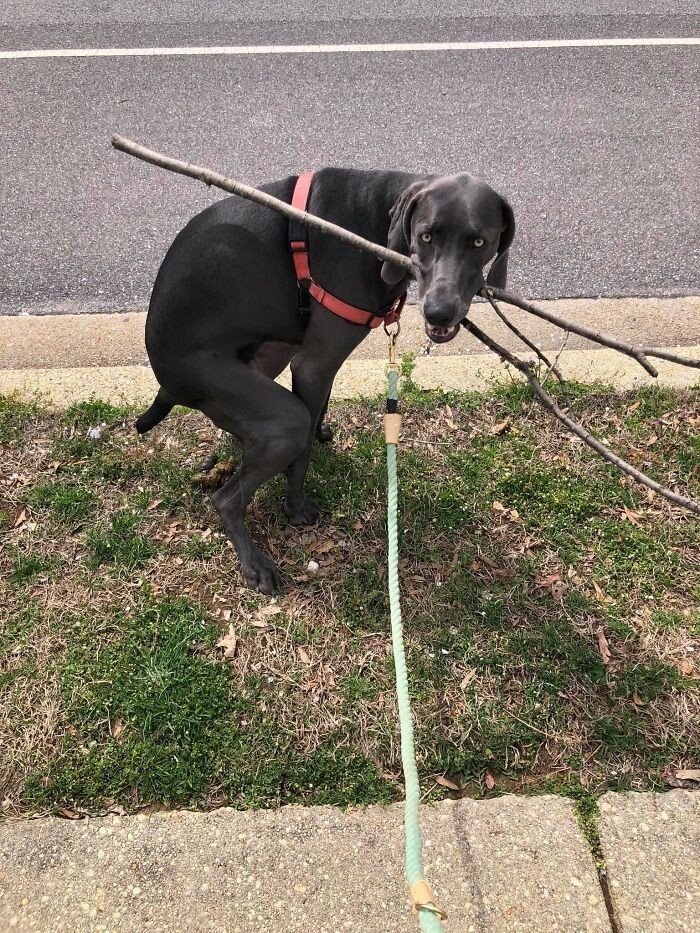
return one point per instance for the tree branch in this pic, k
(260, 197)
(580, 329)
(639, 353)
(548, 402)
(551, 367)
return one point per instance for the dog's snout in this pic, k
(442, 311)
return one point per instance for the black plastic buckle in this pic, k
(298, 232)
(304, 303)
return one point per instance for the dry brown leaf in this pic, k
(117, 728)
(546, 582)
(603, 646)
(686, 667)
(501, 427)
(490, 781)
(446, 782)
(229, 643)
(498, 506)
(303, 656)
(557, 589)
(468, 677)
(153, 505)
(322, 547)
(632, 516)
(688, 774)
(272, 610)
(600, 595)
(69, 814)
(21, 518)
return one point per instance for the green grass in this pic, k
(158, 720)
(518, 555)
(16, 417)
(118, 541)
(27, 566)
(69, 503)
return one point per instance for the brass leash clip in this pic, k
(392, 335)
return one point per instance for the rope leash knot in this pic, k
(430, 916)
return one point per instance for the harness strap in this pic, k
(299, 245)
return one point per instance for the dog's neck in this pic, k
(361, 202)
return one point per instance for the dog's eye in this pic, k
(478, 242)
(426, 237)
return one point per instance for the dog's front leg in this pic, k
(328, 342)
(312, 383)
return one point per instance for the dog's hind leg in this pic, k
(273, 426)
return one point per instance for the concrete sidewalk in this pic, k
(509, 864)
(74, 357)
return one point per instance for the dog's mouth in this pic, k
(441, 334)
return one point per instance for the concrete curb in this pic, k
(73, 357)
(510, 864)
(360, 377)
(651, 843)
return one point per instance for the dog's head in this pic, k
(451, 228)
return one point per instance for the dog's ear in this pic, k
(498, 273)
(399, 238)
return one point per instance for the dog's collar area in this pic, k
(308, 288)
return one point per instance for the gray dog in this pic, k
(234, 303)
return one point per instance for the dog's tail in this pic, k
(161, 408)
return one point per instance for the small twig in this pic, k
(551, 367)
(260, 197)
(638, 354)
(548, 402)
(556, 360)
(529, 725)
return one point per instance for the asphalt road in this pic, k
(596, 148)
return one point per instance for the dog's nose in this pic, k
(442, 312)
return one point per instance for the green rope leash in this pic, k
(430, 916)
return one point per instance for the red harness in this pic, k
(299, 245)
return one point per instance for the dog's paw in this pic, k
(324, 433)
(261, 574)
(304, 512)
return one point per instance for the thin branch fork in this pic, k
(551, 406)
(551, 367)
(640, 354)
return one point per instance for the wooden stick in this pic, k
(581, 329)
(551, 367)
(260, 197)
(639, 353)
(381, 252)
(550, 405)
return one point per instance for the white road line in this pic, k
(337, 49)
